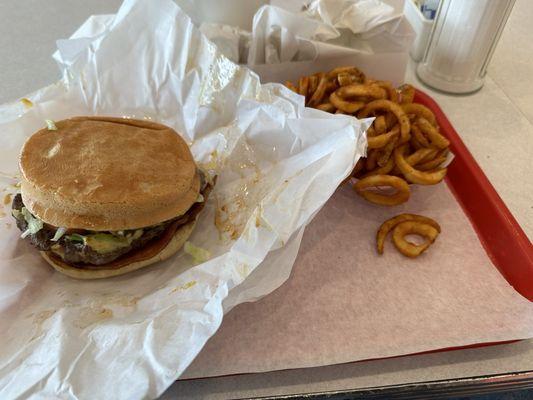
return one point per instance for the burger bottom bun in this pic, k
(168, 244)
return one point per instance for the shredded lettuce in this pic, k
(50, 125)
(16, 213)
(59, 233)
(198, 254)
(34, 224)
(27, 102)
(200, 198)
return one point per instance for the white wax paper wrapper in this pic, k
(232, 41)
(277, 164)
(326, 28)
(358, 16)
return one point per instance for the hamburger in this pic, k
(101, 196)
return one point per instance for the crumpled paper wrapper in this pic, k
(286, 42)
(358, 16)
(277, 164)
(325, 28)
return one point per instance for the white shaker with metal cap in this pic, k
(461, 44)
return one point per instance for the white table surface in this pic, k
(496, 124)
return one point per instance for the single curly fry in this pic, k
(389, 224)
(409, 228)
(376, 181)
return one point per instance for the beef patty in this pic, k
(73, 249)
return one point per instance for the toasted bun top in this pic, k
(102, 173)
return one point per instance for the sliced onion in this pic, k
(59, 233)
(25, 233)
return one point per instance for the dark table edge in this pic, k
(440, 389)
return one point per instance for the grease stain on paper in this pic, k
(38, 320)
(186, 286)
(221, 73)
(42, 316)
(100, 309)
(91, 315)
(7, 198)
(233, 210)
(212, 164)
(226, 216)
(109, 299)
(231, 214)
(97, 311)
(260, 220)
(118, 299)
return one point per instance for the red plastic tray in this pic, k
(504, 241)
(500, 234)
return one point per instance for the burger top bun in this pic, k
(101, 173)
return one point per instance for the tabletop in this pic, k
(496, 125)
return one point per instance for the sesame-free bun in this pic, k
(107, 174)
(160, 249)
